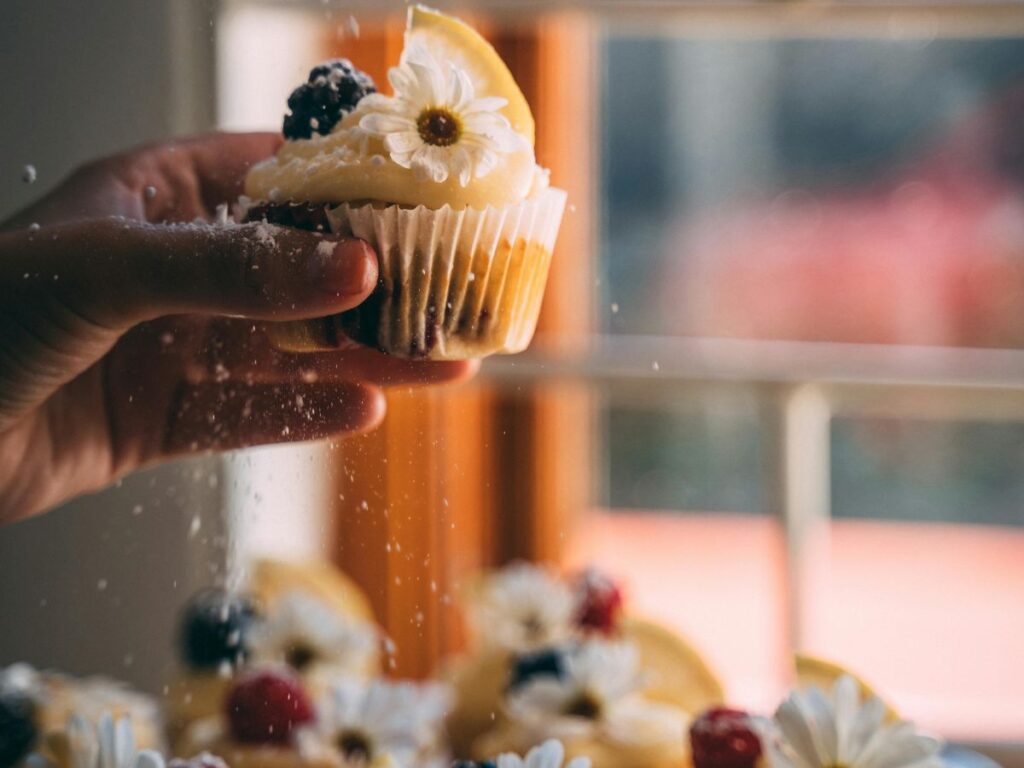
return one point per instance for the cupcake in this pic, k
(34, 704)
(309, 619)
(589, 695)
(439, 177)
(109, 742)
(270, 720)
(525, 622)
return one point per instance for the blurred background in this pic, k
(778, 384)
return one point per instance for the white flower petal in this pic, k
(547, 755)
(485, 104)
(460, 90)
(382, 124)
(430, 163)
(403, 141)
(796, 730)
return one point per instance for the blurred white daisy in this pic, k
(435, 124)
(312, 639)
(548, 755)
(522, 607)
(109, 743)
(812, 729)
(21, 679)
(598, 692)
(366, 721)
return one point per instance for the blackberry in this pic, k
(332, 90)
(17, 727)
(213, 629)
(549, 662)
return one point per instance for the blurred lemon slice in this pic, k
(271, 579)
(681, 676)
(811, 670)
(452, 40)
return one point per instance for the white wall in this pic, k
(94, 587)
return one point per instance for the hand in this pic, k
(116, 347)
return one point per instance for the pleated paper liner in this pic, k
(453, 284)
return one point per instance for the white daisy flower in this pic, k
(523, 607)
(109, 743)
(598, 692)
(435, 124)
(548, 755)
(812, 729)
(365, 722)
(312, 639)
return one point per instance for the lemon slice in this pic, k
(680, 674)
(810, 670)
(272, 579)
(452, 40)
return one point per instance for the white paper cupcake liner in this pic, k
(453, 284)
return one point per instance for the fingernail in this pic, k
(344, 268)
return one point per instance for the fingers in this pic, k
(119, 273)
(241, 351)
(229, 415)
(221, 161)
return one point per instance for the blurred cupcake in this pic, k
(589, 696)
(366, 720)
(522, 620)
(271, 721)
(109, 742)
(34, 704)
(439, 177)
(311, 620)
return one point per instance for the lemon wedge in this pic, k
(452, 40)
(811, 670)
(271, 579)
(680, 675)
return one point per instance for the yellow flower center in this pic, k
(299, 655)
(584, 705)
(355, 745)
(439, 126)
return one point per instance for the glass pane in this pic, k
(853, 190)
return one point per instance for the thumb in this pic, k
(117, 273)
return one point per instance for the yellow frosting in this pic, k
(348, 165)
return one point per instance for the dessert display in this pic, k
(557, 675)
(34, 703)
(554, 657)
(439, 176)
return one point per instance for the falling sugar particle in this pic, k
(137, 510)
(194, 526)
(655, 366)
(101, 584)
(28, 174)
(33, 227)
(149, 192)
(352, 25)
(615, 309)
(128, 659)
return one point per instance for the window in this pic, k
(779, 385)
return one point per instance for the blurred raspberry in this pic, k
(598, 601)
(724, 738)
(266, 708)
